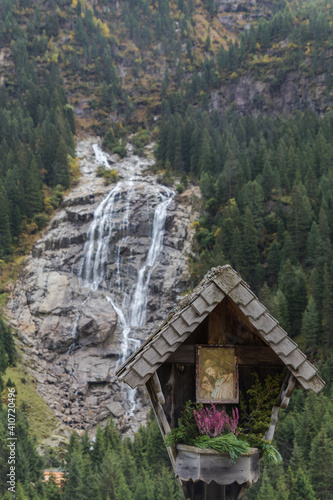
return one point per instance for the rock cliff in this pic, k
(72, 311)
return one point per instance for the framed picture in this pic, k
(216, 374)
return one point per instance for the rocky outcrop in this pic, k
(71, 335)
(294, 91)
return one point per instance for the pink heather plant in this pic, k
(213, 423)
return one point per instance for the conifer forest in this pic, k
(237, 98)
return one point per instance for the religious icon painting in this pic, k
(216, 374)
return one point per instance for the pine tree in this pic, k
(314, 246)
(273, 263)
(14, 194)
(300, 219)
(5, 235)
(254, 200)
(33, 197)
(302, 487)
(321, 460)
(280, 310)
(292, 283)
(327, 309)
(311, 325)
(266, 491)
(251, 251)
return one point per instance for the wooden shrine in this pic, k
(221, 325)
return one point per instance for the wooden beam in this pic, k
(163, 425)
(247, 356)
(274, 418)
(157, 388)
(288, 386)
(218, 325)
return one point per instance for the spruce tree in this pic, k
(311, 325)
(292, 283)
(251, 251)
(302, 487)
(321, 460)
(33, 197)
(5, 235)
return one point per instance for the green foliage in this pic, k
(226, 443)
(256, 406)
(187, 430)
(110, 176)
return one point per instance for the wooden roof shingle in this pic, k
(220, 282)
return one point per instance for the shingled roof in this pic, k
(220, 282)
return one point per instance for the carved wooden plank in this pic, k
(208, 465)
(180, 326)
(142, 367)
(265, 323)
(285, 347)
(170, 335)
(254, 309)
(241, 295)
(131, 378)
(294, 359)
(161, 346)
(227, 280)
(200, 305)
(190, 315)
(212, 294)
(316, 384)
(153, 357)
(276, 335)
(306, 370)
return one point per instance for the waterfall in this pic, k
(103, 266)
(140, 297)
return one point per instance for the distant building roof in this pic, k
(220, 282)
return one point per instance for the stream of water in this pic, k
(103, 266)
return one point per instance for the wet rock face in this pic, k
(71, 335)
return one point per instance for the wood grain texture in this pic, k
(208, 465)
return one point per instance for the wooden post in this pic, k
(152, 385)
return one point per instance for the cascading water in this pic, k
(103, 266)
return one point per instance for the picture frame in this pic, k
(216, 374)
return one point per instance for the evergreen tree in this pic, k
(321, 459)
(33, 197)
(280, 310)
(302, 487)
(266, 491)
(5, 235)
(300, 219)
(251, 251)
(311, 325)
(292, 283)
(254, 200)
(327, 309)
(273, 263)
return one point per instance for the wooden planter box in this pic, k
(209, 465)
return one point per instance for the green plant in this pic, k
(109, 176)
(188, 432)
(201, 427)
(256, 407)
(187, 429)
(226, 443)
